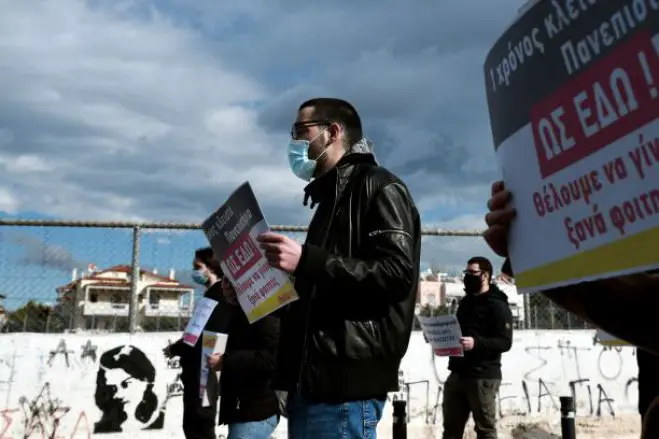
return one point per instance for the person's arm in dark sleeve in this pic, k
(262, 360)
(178, 348)
(501, 338)
(635, 297)
(391, 264)
(221, 316)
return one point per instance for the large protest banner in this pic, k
(232, 231)
(572, 90)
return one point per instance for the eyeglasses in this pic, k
(299, 128)
(472, 272)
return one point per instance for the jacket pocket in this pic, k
(363, 339)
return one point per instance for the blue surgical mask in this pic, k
(200, 277)
(298, 158)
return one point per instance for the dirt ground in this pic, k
(625, 426)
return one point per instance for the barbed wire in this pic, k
(17, 222)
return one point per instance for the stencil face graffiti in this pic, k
(124, 391)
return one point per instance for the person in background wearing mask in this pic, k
(633, 297)
(199, 421)
(357, 275)
(248, 404)
(486, 323)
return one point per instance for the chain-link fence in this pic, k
(59, 276)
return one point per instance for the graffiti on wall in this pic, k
(593, 388)
(88, 352)
(132, 385)
(61, 351)
(42, 417)
(124, 392)
(120, 380)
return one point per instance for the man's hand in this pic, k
(467, 343)
(215, 361)
(281, 251)
(498, 219)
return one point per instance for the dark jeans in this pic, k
(475, 396)
(348, 420)
(198, 421)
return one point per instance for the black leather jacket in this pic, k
(357, 280)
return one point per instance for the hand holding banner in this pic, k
(443, 333)
(232, 231)
(573, 96)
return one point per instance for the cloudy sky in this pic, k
(156, 110)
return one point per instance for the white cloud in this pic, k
(99, 102)
(138, 110)
(7, 201)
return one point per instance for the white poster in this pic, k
(197, 323)
(211, 343)
(443, 333)
(573, 96)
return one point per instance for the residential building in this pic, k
(437, 289)
(100, 299)
(429, 293)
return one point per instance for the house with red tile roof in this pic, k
(100, 299)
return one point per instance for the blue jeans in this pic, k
(254, 430)
(349, 420)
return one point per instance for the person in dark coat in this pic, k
(199, 421)
(356, 275)
(486, 324)
(248, 404)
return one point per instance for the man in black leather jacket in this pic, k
(342, 343)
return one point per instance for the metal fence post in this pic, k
(568, 427)
(134, 281)
(399, 424)
(527, 311)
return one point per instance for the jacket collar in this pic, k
(333, 182)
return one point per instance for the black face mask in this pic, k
(472, 283)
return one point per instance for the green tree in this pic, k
(428, 310)
(35, 317)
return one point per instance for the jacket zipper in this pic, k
(371, 326)
(237, 404)
(382, 232)
(305, 340)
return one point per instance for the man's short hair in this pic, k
(338, 111)
(483, 263)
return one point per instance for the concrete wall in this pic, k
(49, 382)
